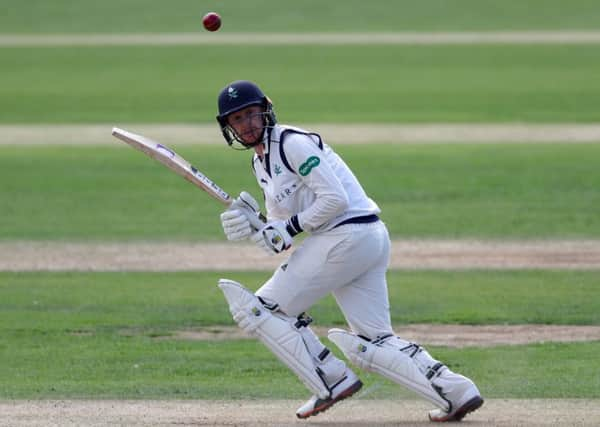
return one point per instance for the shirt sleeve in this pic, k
(311, 165)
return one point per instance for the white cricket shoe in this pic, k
(461, 393)
(344, 388)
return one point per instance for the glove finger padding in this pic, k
(235, 225)
(233, 217)
(247, 204)
(248, 200)
(238, 233)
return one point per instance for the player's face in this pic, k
(248, 123)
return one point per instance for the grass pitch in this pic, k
(455, 191)
(119, 16)
(67, 335)
(369, 84)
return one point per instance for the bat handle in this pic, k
(257, 222)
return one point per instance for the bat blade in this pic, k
(173, 161)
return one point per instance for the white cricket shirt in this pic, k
(302, 176)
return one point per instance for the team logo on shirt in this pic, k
(277, 170)
(308, 165)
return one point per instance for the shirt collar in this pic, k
(266, 142)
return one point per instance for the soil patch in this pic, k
(357, 411)
(441, 335)
(406, 254)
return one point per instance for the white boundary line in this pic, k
(332, 133)
(365, 38)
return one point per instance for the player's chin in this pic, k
(249, 140)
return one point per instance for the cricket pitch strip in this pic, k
(353, 412)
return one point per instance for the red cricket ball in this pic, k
(211, 21)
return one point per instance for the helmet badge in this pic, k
(232, 92)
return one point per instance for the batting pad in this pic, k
(276, 333)
(386, 359)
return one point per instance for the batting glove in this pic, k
(236, 225)
(247, 204)
(242, 219)
(273, 238)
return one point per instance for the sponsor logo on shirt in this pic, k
(308, 165)
(285, 193)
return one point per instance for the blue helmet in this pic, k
(235, 97)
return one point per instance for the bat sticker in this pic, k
(164, 150)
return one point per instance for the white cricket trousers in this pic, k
(350, 262)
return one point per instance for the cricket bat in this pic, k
(179, 165)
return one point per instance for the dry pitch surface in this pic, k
(181, 256)
(357, 411)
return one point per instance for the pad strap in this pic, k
(405, 363)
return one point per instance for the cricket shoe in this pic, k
(344, 388)
(462, 395)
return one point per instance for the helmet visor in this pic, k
(247, 126)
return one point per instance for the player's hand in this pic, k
(242, 219)
(248, 205)
(236, 224)
(273, 238)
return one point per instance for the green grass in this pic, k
(153, 303)
(458, 191)
(47, 366)
(87, 16)
(66, 335)
(350, 84)
(77, 335)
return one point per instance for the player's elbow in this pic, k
(338, 203)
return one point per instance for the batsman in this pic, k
(309, 189)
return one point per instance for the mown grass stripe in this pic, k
(334, 133)
(403, 38)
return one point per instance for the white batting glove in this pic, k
(273, 238)
(236, 224)
(247, 204)
(241, 220)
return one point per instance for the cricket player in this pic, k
(309, 189)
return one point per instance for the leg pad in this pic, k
(276, 332)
